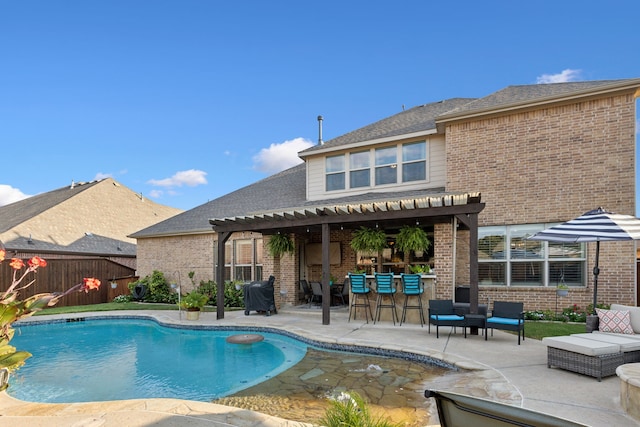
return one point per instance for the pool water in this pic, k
(98, 360)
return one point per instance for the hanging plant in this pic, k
(280, 244)
(368, 240)
(412, 238)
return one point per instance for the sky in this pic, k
(184, 101)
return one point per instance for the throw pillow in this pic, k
(615, 321)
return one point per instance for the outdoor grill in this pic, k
(259, 296)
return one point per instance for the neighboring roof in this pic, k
(18, 212)
(87, 244)
(524, 95)
(85, 218)
(414, 120)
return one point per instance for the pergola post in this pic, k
(223, 236)
(326, 274)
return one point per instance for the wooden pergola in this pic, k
(388, 213)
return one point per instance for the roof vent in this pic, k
(320, 141)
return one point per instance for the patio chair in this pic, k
(508, 316)
(307, 293)
(360, 290)
(339, 292)
(412, 288)
(442, 313)
(316, 292)
(385, 288)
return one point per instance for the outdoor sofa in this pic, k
(599, 353)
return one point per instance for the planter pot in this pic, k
(562, 292)
(592, 323)
(193, 315)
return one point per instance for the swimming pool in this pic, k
(114, 359)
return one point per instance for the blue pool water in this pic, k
(97, 360)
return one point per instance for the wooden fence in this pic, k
(62, 274)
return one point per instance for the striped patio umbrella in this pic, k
(597, 226)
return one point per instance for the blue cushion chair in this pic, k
(385, 288)
(442, 313)
(412, 288)
(360, 290)
(508, 316)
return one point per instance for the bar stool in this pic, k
(359, 289)
(385, 288)
(412, 287)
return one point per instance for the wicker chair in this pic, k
(508, 316)
(441, 313)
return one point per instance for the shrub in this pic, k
(232, 296)
(350, 409)
(122, 298)
(158, 288)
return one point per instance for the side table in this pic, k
(475, 320)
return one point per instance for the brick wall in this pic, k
(176, 256)
(552, 164)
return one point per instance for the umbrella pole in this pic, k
(596, 272)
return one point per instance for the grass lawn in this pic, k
(534, 329)
(538, 329)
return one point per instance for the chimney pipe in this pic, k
(320, 141)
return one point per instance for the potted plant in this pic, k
(562, 290)
(370, 240)
(412, 238)
(420, 269)
(193, 303)
(280, 244)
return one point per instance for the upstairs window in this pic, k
(359, 169)
(386, 165)
(414, 162)
(335, 173)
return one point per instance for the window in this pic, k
(414, 162)
(258, 259)
(507, 258)
(334, 169)
(377, 167)
(386, 165)
(359, 170)
(243, 257)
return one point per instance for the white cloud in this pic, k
(567, 75)
(190, 178)
(279, 157)
(156, 194)
(8, 194)
(101, 175)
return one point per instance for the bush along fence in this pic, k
(155, 288)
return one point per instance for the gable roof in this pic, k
(420, 119)
(88, 218)
(527, 95)
(18, 212)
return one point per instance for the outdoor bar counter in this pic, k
(413, 316)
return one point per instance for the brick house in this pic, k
(82, 231)
(479, 175)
